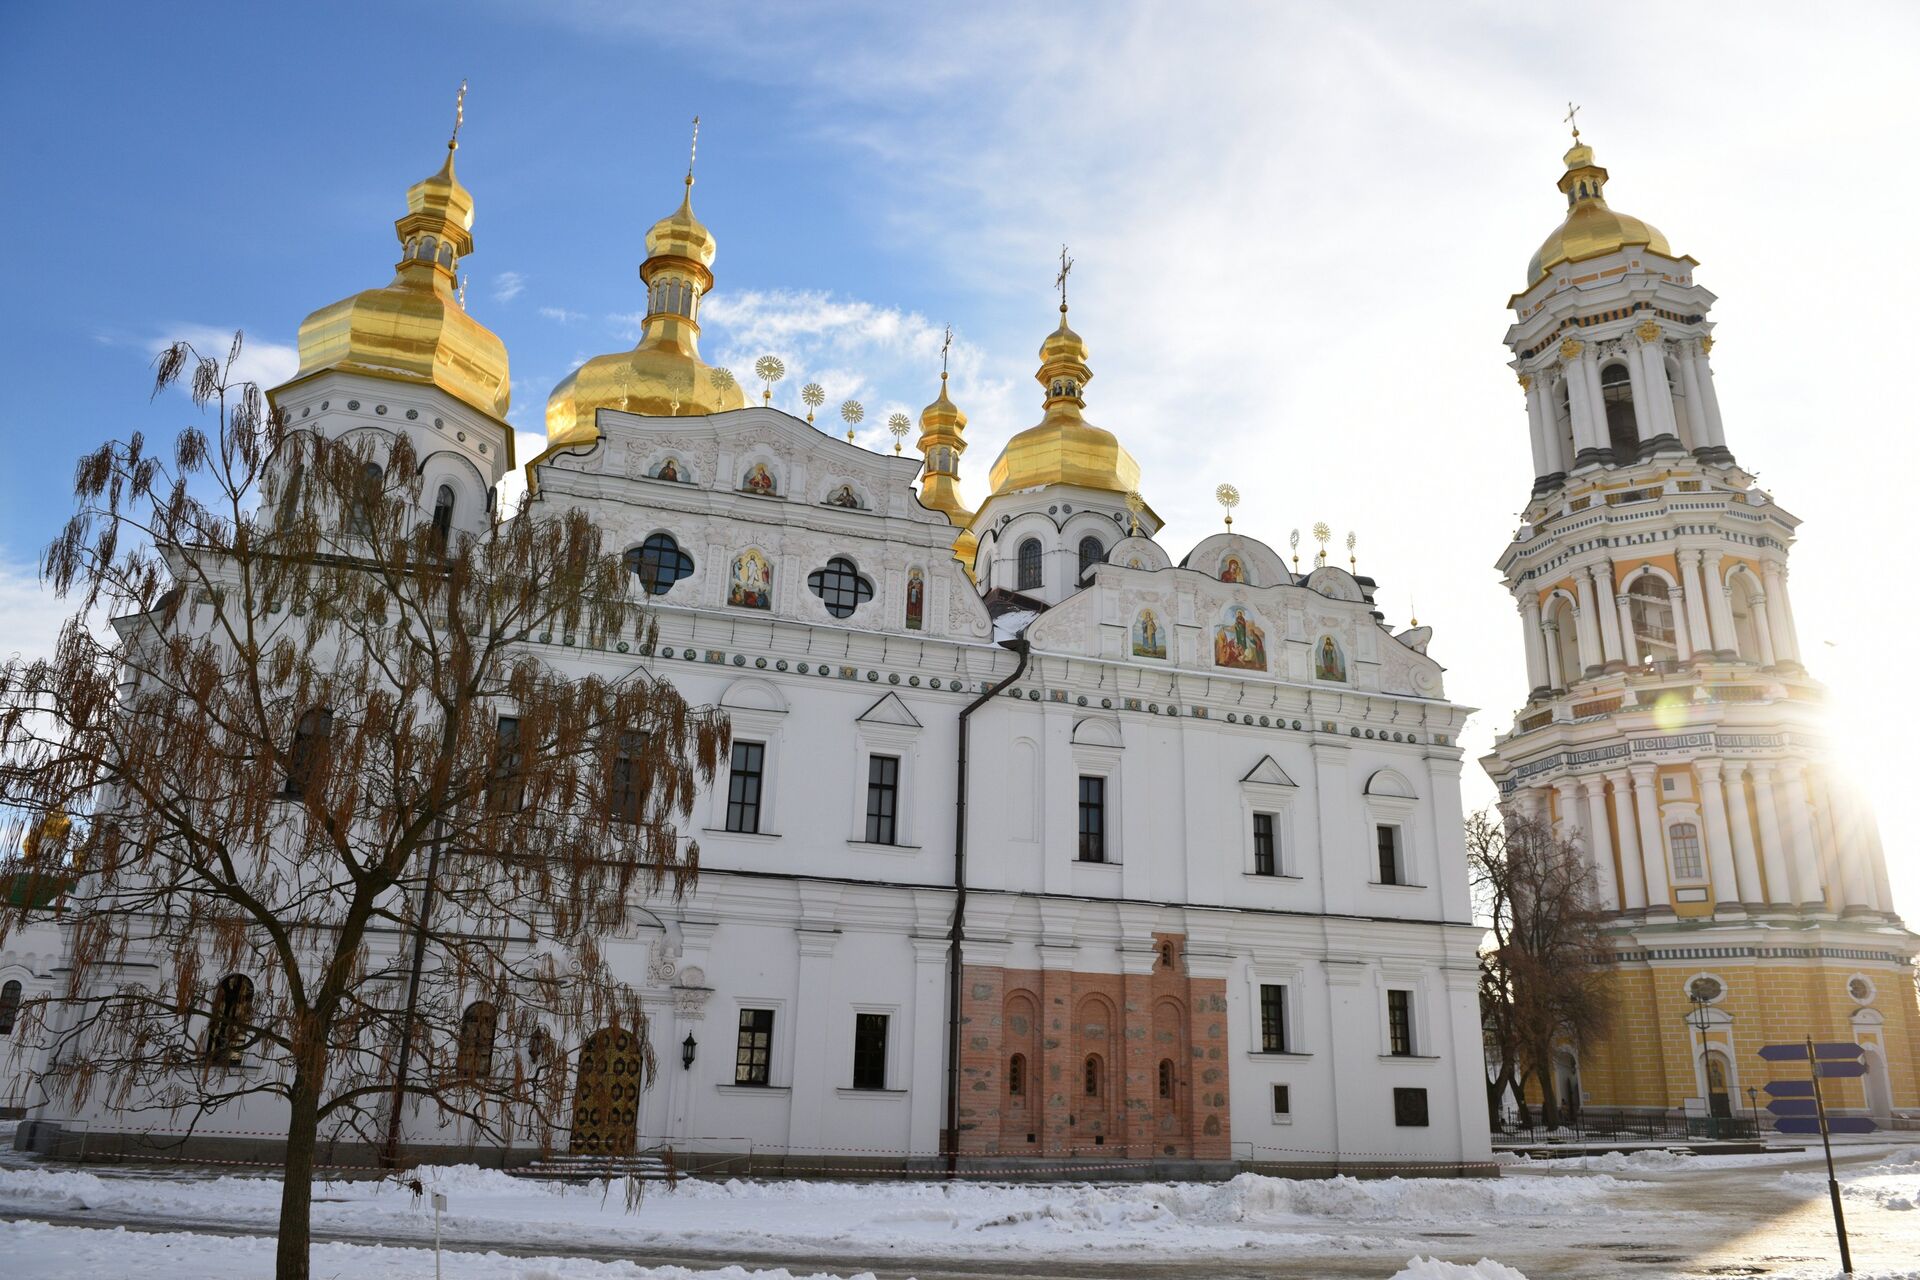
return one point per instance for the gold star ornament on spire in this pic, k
(1135, 505)
(1228, 497)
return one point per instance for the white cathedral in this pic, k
(1206, 809)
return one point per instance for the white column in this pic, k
(1633, 876)
(1595, 400)
(1713, 811)
(1629, 647)
(1590, 655)
(1659, 393)
(1719, 612)
(1540, 409)
(1536, 642)
(1682, 633)
(1773, 847)
(1567, 793)
(1801, 847)
(1609, 618)
(1709, 401)
(1645, 426)
(1791, 629)
(1763, 630)
(1653, 856)
(1695, 435)
(1740, 821)
(1550, 636)
(1536, 428)
(814, 1024)
(1696, 600)
(1579, 405)
(1777, 626)
(1600, 843)
(1856, 885)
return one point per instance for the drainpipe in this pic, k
(957, 933)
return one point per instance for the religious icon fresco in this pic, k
(669, 470)
(1239, 642)
(1328, 662)
(751, 584)
(916, 598)
(1149, 641)
(759, 479)
(1232, 570)
(844, 496)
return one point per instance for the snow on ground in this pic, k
(917, 1219)
(1434, 1269)
(1893, 1184)
(37, 1251)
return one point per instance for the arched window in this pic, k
(539, 1049)
(360, 513)
(659, 563)
(227, 1030)
(1016, 1074)
(1166, 1077)
(840, 587)
(1650, 604)
(474, 1061)
(1029, 579)
(307, 752)
(1093, 1080)
(1623, 432)
(1684, 839)
(289, 503)
(9, 1006)
(1091, 554)
(1565, 639)
(443, 513)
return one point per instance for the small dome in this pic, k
(415, 329)
(1591, 229)
(682, 235)
(1064, 448)
(1063, 344)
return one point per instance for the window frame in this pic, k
(1390, 851)
(1097, 806)
(1029, 572)
(759, 777)
(1697, 850)
(650, 555)
(1402, 1026)
(306, 751)
(867, 1060)
(12, 992)
(832, 596)
(1088, 564)
(1272, 1015)
(741, 1047)
(626, 795)
(1280, 1099)
(506, 776)
(1404, 1099)
(883, 798)
(1266, 843)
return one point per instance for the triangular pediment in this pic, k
(890, 710)
(1268, 773)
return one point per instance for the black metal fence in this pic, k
(1597, 1125)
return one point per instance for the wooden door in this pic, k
(606, 1094)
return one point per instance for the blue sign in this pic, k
(1829, 1050)
(1841, 1070)
(1793, 1107)
(1790, 1088)
(1835, 1124)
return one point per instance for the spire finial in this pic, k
(463, 292)
(1571, 120)
(459, 116)
(693, 149)
(946, 344)
(1060, 281)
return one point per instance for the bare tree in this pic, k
(1541, 981)
(324, 782)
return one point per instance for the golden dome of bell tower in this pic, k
(942, 440)
(1064, 448)
(415, 329)
(663, 375)
(1590, 228)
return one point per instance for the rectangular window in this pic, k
(304, 754)
(1282, 1101)
(870, 1051)
(1093, 819)
(1387, 842)
(883, 798)
(1400, 1023)
(626, 790)
(1410, 1108)
(1264, 863)
(506, 790)
(1685, 839)
(743, 786)
(1273, 1018)
(753, 1053)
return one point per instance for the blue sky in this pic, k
(1296, 228)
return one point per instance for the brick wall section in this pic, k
(1133, 1022)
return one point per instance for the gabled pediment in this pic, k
(1268, 773)
(889, 710)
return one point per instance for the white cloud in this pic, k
(508, 285)
(34, 614)
(261, 361)
(527, 445)
(561, 315)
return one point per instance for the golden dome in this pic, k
(414, 329)
(663, 375)
(1064, 448)
(942, 440)
(1591, 228)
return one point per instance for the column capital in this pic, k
(1736, 769)
(1594, 784)
(1708, 770)
(1643, 773)
(1618, 777)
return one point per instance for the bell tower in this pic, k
(1670, 726)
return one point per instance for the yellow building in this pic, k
(1671, 727)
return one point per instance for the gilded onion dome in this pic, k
(663, 375)
(1591, 228)
(1064, 448)
(415, 329)
(942, 440)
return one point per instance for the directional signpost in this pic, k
(1797, 1107)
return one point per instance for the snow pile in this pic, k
(1434, 1269)
(1641, 1161)
(1253, 1195)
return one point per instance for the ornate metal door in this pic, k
(606, 1094)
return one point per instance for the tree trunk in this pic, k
(1549, 1099)
(296, 1193)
